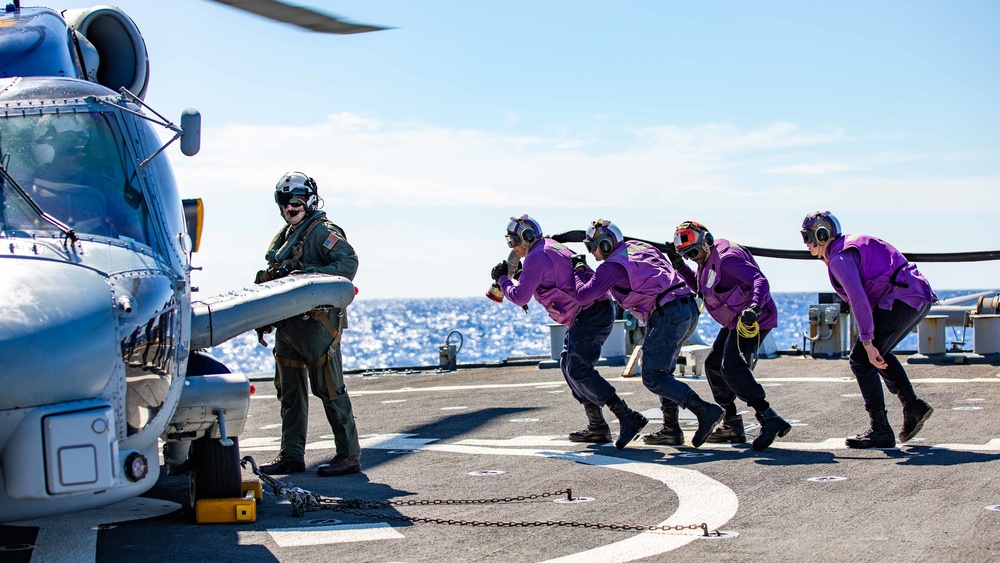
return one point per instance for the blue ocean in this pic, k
(396, 333)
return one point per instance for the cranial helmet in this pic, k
(523, 229)
(820, 227)
(690, 236)
(603, 235)
(60, 135)
(296, 185)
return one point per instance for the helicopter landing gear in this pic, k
(215, 470)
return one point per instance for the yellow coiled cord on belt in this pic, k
(748, 331)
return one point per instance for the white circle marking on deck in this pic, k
(967, 408)
(826, 479)
(699, 497)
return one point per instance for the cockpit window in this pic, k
(75, 167)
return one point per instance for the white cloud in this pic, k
(811, 169)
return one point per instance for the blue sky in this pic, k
(745, 116)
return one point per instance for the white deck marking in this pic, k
(700, 499)
(342, 533)
(73, 537)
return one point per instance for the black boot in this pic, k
(283, 465)
(878, 436)
(709, 416)
(729, 432)
(629, 421)
(597, 430)
(915, 413)
(671, 433)
(771, 426)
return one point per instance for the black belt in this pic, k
(678, 301)
(892, 279)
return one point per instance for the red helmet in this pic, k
(690, 236)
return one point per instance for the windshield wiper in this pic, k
(7, 179)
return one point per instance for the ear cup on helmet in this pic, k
(528, 234)
(605, 246)
(822, 233)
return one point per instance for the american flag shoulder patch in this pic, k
(331, 241)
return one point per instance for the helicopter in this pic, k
(101, 339)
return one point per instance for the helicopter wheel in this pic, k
(215, 470)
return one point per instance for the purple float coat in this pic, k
(638, 276)
(730, 281)
(868, 272)
(547, 275)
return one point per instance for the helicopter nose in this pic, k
(57, 333)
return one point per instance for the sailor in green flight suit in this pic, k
(307, 346)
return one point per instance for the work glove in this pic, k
(261, 332)
(569, 236)
(499, 270)
(675, 258)
(579, 262)
(749, 315)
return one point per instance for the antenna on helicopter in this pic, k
(303, 17)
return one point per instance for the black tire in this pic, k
(215, 470)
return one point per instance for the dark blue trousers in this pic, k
(581, 351)
(666, 330)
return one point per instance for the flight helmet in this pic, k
(523, 229)
(296, 186)
(820, 227)
(691, 236)
(603, 235)
(60, 135)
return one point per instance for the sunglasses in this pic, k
(808, 236)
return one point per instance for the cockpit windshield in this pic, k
(75, 168)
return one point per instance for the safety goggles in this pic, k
(809, 236)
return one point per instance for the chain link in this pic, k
(305, 501)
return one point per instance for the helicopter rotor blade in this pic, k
(303, 17)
